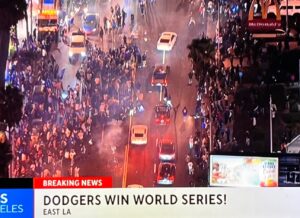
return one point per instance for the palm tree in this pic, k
(12, 11)
(202, 52)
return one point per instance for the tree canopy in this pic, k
(202, 52)
(12, 11)
(11, 106)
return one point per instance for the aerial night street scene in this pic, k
(154, 93)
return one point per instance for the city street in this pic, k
(143, 160)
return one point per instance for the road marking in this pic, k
(164, 57)
(160, 93)
(125, 168)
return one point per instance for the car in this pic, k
(77, 47)
(166, 150)
(162, 114)
(166, 41)
(160, 75)
(166, 173)
(139, 135)
(90, 23)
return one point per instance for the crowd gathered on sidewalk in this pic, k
(215, 103)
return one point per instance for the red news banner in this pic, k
(72, 182)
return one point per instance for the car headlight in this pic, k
(83, 54)
(70, 54)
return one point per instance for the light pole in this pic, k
(271, 125)
(210, 128)
(218, 35)
(287, 26)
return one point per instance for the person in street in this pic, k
(169, 102)
(124, 14)
(191, 168)
(184, 113)
(190, 75)
(191, 142)
(101, 33)
(192, 21)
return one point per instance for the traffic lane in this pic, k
(182, 95)
(141, 158)
(136, 165)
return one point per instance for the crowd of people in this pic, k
(56, 134)
(217, 86)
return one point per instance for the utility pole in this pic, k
(271, 125)
(287, 25)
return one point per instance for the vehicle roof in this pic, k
(139, 127)
(169, 33)
(77, 38)
(166, 142)
(162, 108)
(90, 17)
(160, 68)
(135, 186)
(168, 164)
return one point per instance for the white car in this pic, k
(139, 135)
(166, 41)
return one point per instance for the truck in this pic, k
(77, 48)
(47, 21)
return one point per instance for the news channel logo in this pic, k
(15, 203)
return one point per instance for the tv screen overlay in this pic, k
(289, 170)
(94, 197)
(243, 171)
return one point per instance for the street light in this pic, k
(273, 109)
(271, 126)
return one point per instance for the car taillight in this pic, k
(172, 178)
(157, 120)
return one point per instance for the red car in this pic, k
(160, 75)
(162, 115)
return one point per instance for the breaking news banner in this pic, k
(74, 182)
(79, 202)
